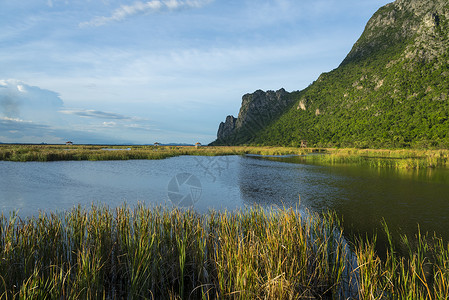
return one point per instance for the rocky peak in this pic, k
(259, 107)
(421, 7)
(390, 91)
(257, 110)
(406, 23)
(226, 128)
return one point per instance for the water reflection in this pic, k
(362, 196)
(57, 186)
(268, 182)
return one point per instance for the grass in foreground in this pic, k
(157, 253)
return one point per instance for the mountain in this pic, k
(258, 110)
(391, 90)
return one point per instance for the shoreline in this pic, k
(396, 158)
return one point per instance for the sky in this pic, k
(168, 71)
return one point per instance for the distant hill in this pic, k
(391, 90)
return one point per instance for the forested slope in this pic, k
(390, 91)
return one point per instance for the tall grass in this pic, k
(399, 159)
(162, 253)
(422, 272)
(92, 152)
(156, 253)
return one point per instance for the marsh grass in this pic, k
(255, 253)
(421, 272)
(96, 152)
(399, 159)
(156, 253)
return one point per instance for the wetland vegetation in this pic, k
(159, 252)
(399, 158)
(389, 92)
(98, 152)
(164, 252)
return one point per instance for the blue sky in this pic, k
(109, 71)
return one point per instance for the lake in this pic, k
(361, 196)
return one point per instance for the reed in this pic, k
(167, 253)
(420, 273)
(154, 253)
(23, 153)
(399, 159)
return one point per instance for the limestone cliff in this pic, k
(391, 90)
(226, 128)
(256, 112)
(416, 23)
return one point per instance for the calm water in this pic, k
(362, 196)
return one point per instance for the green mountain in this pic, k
(390, 91)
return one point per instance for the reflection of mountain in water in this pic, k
(360, 195)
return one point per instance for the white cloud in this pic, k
(145, 127)
(109, 124)
(21, 88)
(17, 99)
(13, 119)
(90, 113)
(127, 11)
(31, 114)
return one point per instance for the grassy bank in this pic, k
(94, 152)
(157, 253)
(403, 159)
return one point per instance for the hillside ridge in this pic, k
(390, 91)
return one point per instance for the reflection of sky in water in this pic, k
(32, 186)
(361, 195)
(269, 182)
